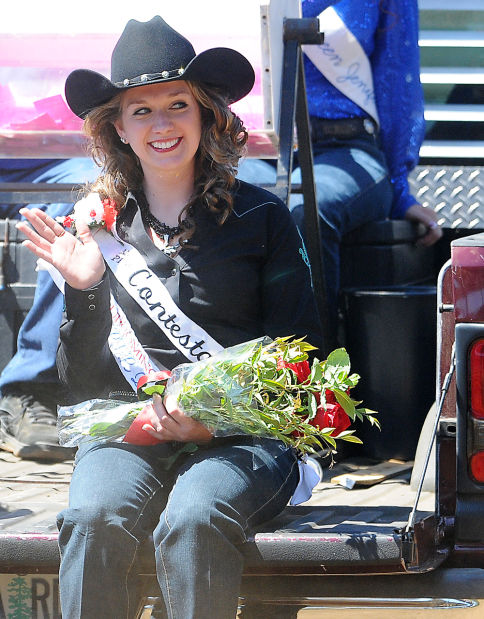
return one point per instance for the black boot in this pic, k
(28, 422)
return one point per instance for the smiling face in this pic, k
(162, 124)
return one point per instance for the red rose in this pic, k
(68, 221)
(110, 213)
(300, 368)
(151, 380)
(329, 395)
(153, 377)
(333, 416)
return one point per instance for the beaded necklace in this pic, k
(160, 227)
(165, 232)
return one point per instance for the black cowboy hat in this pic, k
(152, 52)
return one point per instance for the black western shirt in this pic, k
(241, 280)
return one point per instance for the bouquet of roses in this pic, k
(263, 387)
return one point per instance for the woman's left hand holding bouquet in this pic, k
(166, 422)
(77, 258)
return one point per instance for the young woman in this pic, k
(212, 262)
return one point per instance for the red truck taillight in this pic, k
(476, 374)
(469, 378)
(468, 295)
(476, 367)
(476, 466)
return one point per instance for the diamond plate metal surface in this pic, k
(456, 193)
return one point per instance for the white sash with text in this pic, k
(343, 62)
(144, 287)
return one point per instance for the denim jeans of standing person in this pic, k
(29, 383)
(200, 512)
(352, 188)
(37, 339)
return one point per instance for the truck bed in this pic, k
(336, 527)
(338, 531)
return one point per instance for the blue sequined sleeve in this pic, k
(399, 95)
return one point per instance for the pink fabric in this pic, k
(42, 62)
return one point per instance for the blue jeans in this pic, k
(352, 188)
(38, 336)
(199, 513)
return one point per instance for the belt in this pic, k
(323, 128)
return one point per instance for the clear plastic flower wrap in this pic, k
(263, 388)
(220, 392)
(96, 421)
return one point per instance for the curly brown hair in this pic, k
(222, 144)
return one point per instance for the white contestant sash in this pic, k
(144, 287)
(343, 62)
(131, 357)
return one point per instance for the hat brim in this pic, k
(222, 67)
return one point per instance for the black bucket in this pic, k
(391, 340)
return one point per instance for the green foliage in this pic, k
(264, 387)
(256, 393)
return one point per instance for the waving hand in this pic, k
(78, 259)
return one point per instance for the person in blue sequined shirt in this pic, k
(361, 168)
